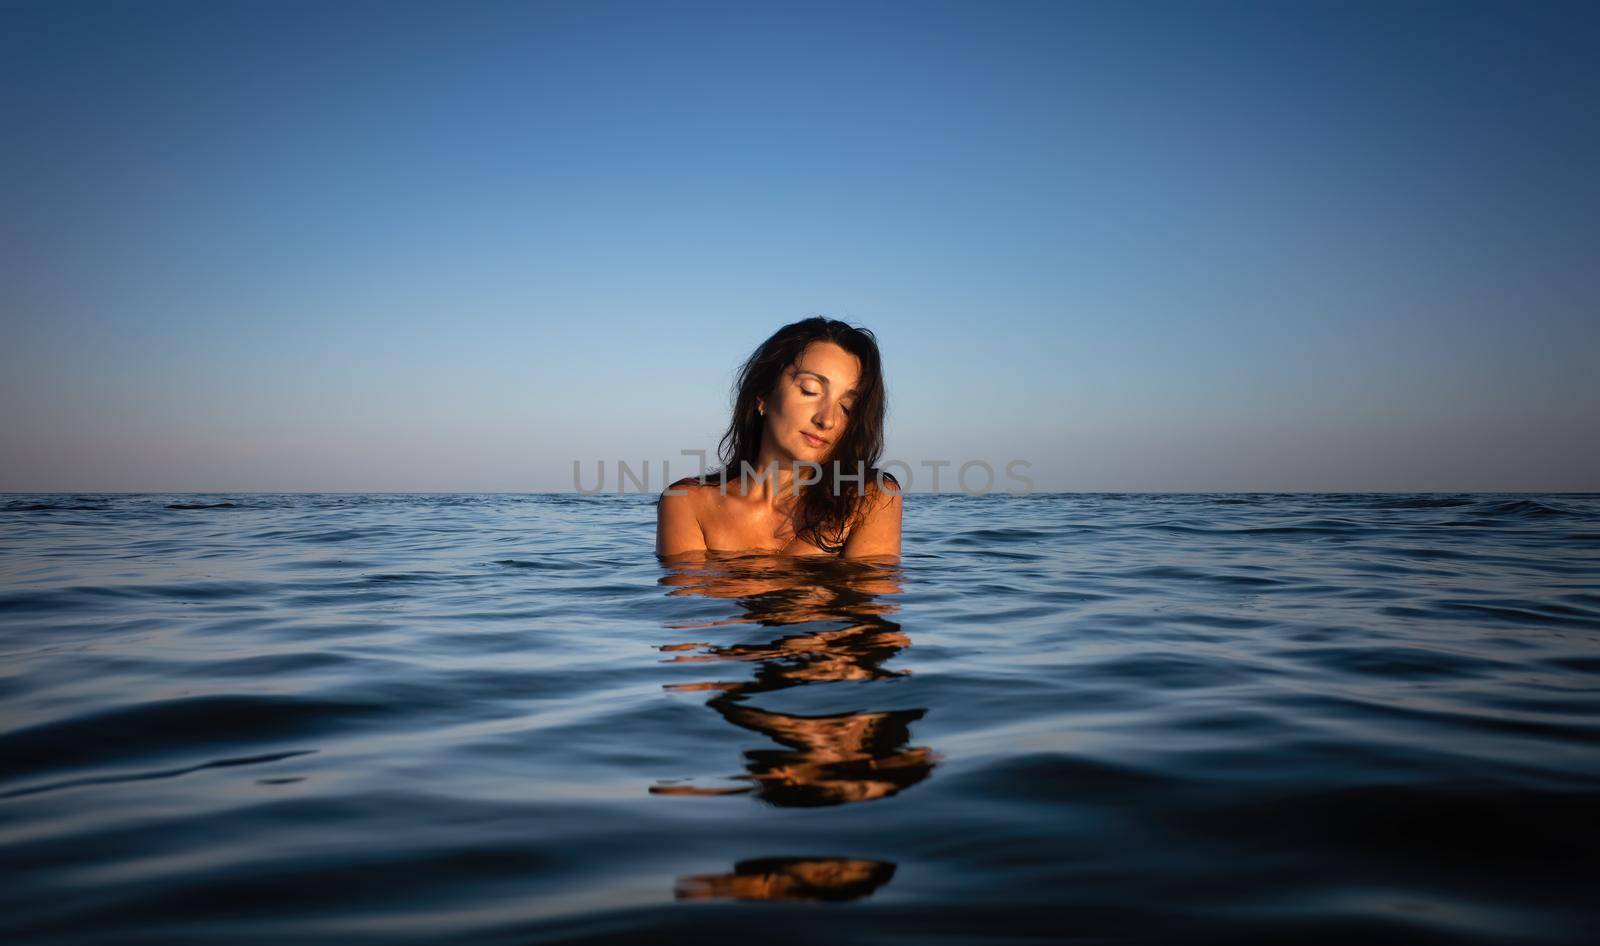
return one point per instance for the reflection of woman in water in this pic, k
(832, 621)
(790, 878)
(799, 472)
(829, 759)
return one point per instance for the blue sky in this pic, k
(1143, 246)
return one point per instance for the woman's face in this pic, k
(810, 407)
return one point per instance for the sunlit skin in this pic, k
(804, 416)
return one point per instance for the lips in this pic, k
(813, 441)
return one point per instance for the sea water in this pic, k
(500, 719)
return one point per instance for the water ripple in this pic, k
(498, 719)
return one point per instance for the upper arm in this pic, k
(677, 525)
(878, 531)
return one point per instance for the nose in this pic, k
(826, 417)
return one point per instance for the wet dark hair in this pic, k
(823, 513)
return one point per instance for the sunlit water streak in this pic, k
(500, 719)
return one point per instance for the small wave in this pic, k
(325, 564)
(159, 774)
(1526, 612)
(1424, 502)
(202, 505)
(550, 564)
(1181, 574)
(1163, 672)
(987, 538)
(150, 729)
(22, 506)
(1311, 527)
(403, 578)
(334, 536)
(1577, 664)
(70, 598)
(1404, 663)
(1526, 509)
(1054, 776)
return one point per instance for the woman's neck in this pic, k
(772, 481)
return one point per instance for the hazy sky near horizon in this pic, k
(457, 246)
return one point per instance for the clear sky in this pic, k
(457, 246)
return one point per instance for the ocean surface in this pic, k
(499, 719)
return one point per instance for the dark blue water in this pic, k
(497, 719)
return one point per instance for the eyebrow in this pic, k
(823, 377)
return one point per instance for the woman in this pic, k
(799, 473)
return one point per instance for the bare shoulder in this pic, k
(678, 517)
(876, 531)
(688, 493)
(882, 491)
(689, 484)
